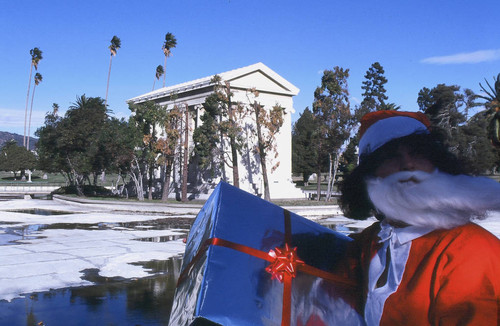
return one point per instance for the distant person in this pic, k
(424, 262)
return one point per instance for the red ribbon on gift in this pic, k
(284, 265)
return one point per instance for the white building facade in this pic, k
(273, 90)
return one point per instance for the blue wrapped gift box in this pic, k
(223, 284)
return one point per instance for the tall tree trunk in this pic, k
(29, 123)
(78, 179)
(150, 181)
(318, 172)
(267, 193)
(329, 187)
(26, 109)
(186, 152)
(165, 71)
(79, 187)
(234, 151)
(221, 152)
(334, 165)
(166, 182)
(262, 153)
(137, 178)
(107, 85)
(234, 154)
(318, 184)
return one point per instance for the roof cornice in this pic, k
(205, 82)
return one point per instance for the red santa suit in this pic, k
(429, 277)
(441, 270)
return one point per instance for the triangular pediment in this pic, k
(259, 80)
(257, 75)
(261, 77)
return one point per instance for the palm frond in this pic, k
(36, 56)
(116, 43)
(38, 78)
(159, 71)
(170, 42)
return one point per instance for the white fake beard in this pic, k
(435, 199)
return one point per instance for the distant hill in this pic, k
(7, 136)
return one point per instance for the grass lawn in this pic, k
(37, 176)
(58, 178)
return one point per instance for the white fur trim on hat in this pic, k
(385, 130)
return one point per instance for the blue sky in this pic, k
(419, 44)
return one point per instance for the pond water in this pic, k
(40, 211)
(110, 301)
(16, 234)
(145, 301)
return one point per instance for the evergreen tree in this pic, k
(446, 107)
(374, 99)
(207, 136)
(474, 146)
(220, 125)
(303, 145)
(82, 144)
(334, 120)
(492, 105)
(167, 146)
(374, 96)
(50, 158)
(230, 129)
(147, 117)
(15, 158)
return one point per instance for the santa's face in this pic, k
(403, 159)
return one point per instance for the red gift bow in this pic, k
(285, 261)
(284, 266)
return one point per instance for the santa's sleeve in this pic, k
(466, 281)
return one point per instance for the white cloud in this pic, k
(13, 120)
(469, 57)
(355, 100)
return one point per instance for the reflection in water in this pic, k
(111, 301)
(340, 227)
(15, 235)
(40, 211)
(116, 301)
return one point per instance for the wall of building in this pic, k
(271, 92)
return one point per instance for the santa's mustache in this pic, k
(433, 199)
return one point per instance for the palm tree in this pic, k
(116, 43)
(390, 106)
(492, 105)
(159, 72)
(170, 42)
(38, 80)
(36, 56)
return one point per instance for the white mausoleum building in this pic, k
(273, 89)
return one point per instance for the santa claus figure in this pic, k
(425, 262)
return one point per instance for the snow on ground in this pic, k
(491, 223)
(48, 259)
(56, 257)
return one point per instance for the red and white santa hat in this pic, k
(380, 127)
